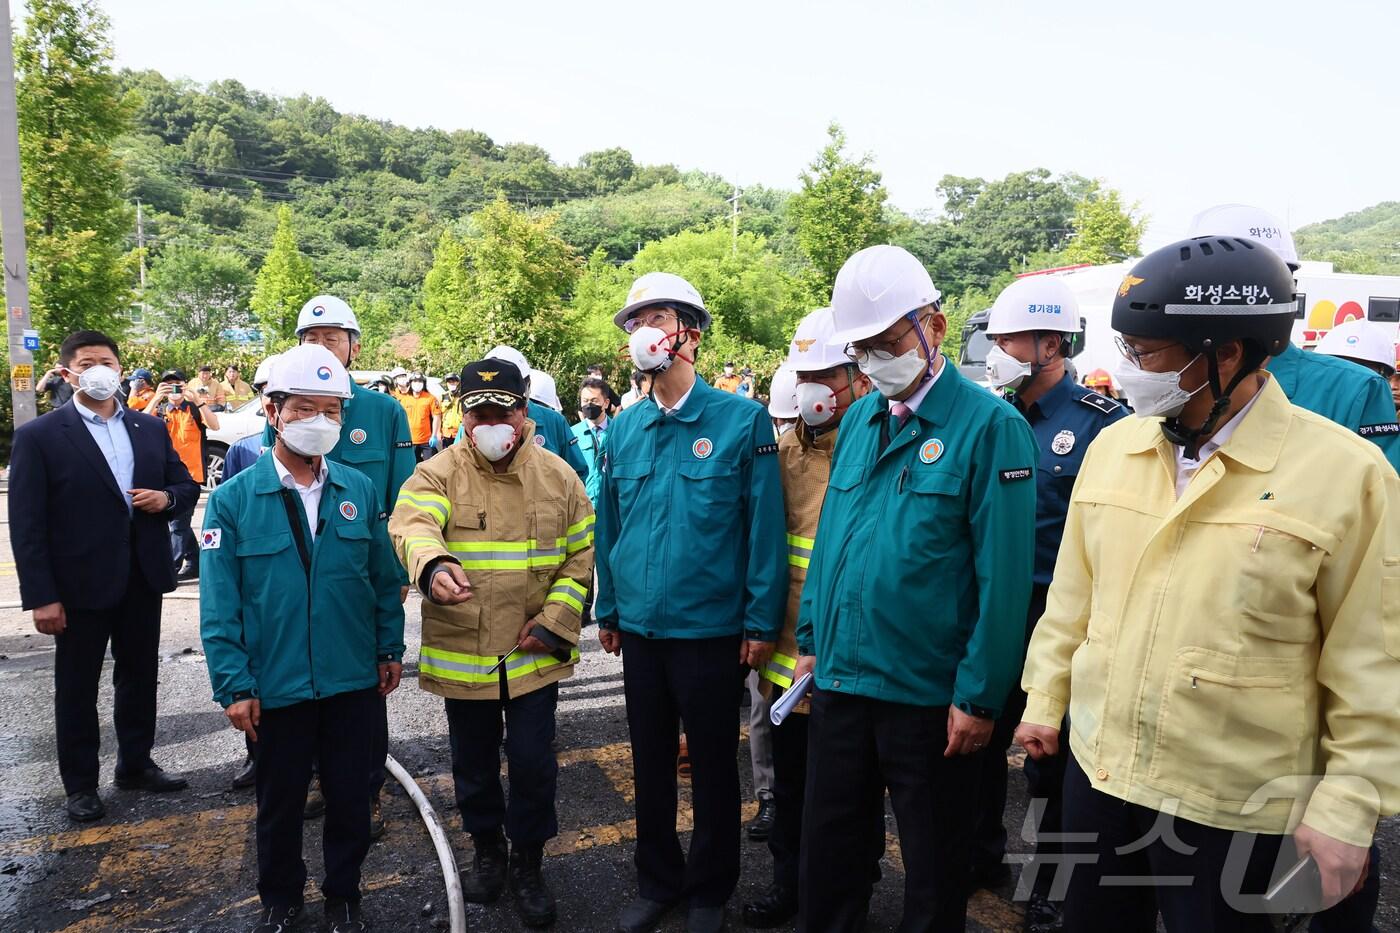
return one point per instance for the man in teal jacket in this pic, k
(914, 605)
(303, 632)
(692, 583)
(374, 439)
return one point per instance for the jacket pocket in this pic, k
(1279, 563)
(1091, 668)
(1227, 724)
(629, 478)
(1390, 611)
(358, 454)
(546, 521)
(930, 515)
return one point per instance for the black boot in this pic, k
(487, 880)
(773, 908)
(532, 896)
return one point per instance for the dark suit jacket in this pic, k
(69, 527)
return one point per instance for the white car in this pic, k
(234, 425)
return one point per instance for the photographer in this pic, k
(187, 416)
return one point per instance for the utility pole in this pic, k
(141, 248)
(734, 217)
(23, 340)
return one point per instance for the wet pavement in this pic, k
(186, 861)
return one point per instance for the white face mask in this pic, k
(650, 348)
(494, 440)
(1151, 394)
(99, 383)
(816, 403)
(311, 437)
(1004, 371)
(891, 377)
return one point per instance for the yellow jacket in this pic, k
(1248, 633)
(805, 466)
(524, 538)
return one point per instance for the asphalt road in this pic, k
(186, 861)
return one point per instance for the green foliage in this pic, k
(1104, 230)
(197, 293)
(504, 282)
(840, 209)
(1366, 241)
(284, 283)
(76, 222)
(622, 223)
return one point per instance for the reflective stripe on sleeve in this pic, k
(779, 670)
(580, 535)
(433, 504)
(507, 555)
(800, 550)
(568, 592)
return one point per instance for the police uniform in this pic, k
(915, 600)
(691, 560)
(1340, 391)
(1065, 420)
(301, 622)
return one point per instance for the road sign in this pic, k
(31, 340)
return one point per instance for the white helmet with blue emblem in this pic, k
(309, 369)
(327, 311)
(1361, 342)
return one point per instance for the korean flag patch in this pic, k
(211, 539)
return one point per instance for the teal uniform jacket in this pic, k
(591, 442)
(920, 580)
(552, 433)
(1343, 392)
(270, 629)
(690, 540)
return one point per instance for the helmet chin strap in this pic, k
(1189, 439)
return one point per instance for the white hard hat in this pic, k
(543, 390)
(1037, 302)
(398, 371)
(876, 287)
(782, 394)
(326, 311)
(308, 369)
(1250, 223)
(663, 288)
(264, 371)
(813, 348)
(512, 356)
(1359, 340)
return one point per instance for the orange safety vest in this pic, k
(187, 436)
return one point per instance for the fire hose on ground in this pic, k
(456, 908)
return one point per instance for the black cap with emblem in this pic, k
(492, 382)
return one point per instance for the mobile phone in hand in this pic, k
(1295, 896)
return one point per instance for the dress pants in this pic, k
(377, 771)
(474, 730)
(337, 732)
(1134, 861)
(858, 747)
(697, 681)
(789, 790)
(760, 736)
(133, 627)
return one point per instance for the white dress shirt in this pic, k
(1186, 468)
(310, 495)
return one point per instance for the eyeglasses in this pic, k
(882, 350)
(1137, 356)
(656, 317)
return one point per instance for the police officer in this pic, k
(500, 630)
(551, 430)
(828, 384)
(691, 584)
(1034, 324)
(1334, 388)
(374, 440)
(1212, 625)
(914, 604)
(303, 632)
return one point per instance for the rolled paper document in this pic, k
(789, 700)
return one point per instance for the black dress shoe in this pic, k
(86, 806)
(761, 826)
(344, 916)
(152, 779)
(277, 919)
(247, 775)
(642, 916)
(704, 919)
(189, 573)
(773, 908)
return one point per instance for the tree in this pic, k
(198, 293)
(76, 221)
(284, 283)
(840, 210)
(505, 286)
(1104, 230)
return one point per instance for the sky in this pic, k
(1291, 106)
